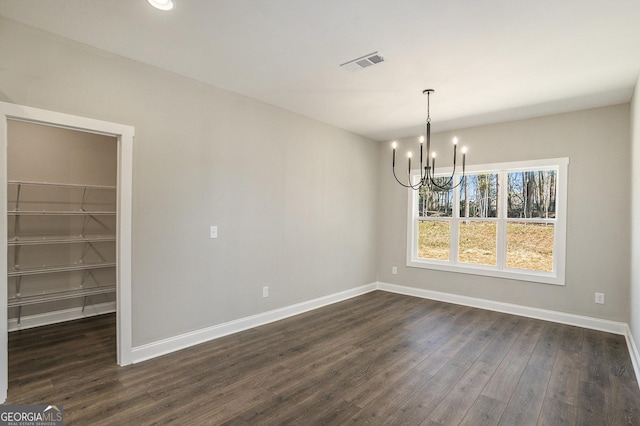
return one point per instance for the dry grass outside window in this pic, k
(529, 245)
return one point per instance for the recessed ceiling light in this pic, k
(162, 4)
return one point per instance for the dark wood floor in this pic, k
(376, 359)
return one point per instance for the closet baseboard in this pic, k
(54, 317)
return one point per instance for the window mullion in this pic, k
(502, 220)
(455, 226)
(413, 227)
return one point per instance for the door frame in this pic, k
(124, 135)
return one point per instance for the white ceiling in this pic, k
(489, 61)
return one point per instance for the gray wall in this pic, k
(294, 199)
(597, 144)
(634, 300)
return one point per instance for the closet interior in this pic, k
(61, 224)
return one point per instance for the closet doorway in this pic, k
(66, 234)
(61, 201)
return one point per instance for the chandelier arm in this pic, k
(448, 186)
(406, 186)
(460, 182)
(445, 187)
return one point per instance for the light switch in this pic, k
(213, 231)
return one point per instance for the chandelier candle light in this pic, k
(427, 172)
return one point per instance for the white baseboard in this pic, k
(60, 316)
(172, 344)
(508, 308)
(634, 354)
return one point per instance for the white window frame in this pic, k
(557, 276)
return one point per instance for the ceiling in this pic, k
(489, 61)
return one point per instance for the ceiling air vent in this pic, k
(363, 62)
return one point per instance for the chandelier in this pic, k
(428, 178)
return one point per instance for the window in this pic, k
(504, 220)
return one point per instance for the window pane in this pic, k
(436, 202)
(530, 246)
(479, 196)
(477, 244)
(532, 194)
(433, 239)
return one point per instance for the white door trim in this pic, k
(124, 134)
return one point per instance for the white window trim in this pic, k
(556, 277)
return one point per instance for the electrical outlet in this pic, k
(265, 291)
(213, 231)
(600, 298)
(394, 270)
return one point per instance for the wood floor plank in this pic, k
(380, 358)
(618, 357)
(448, 343)
(498, 349)
(485, 411)
(625, 407)
(369, 387)
(337, 414)
(506, 377)
(592, 404)
(565, 377)
(393, 399)
(571, 338)
(417, 408)
(557, 413)
(594, 366)
(544, 353)
(456, 403)
(112, 408)
(526, 402)
(479, 342)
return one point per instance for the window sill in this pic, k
(513, 274)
